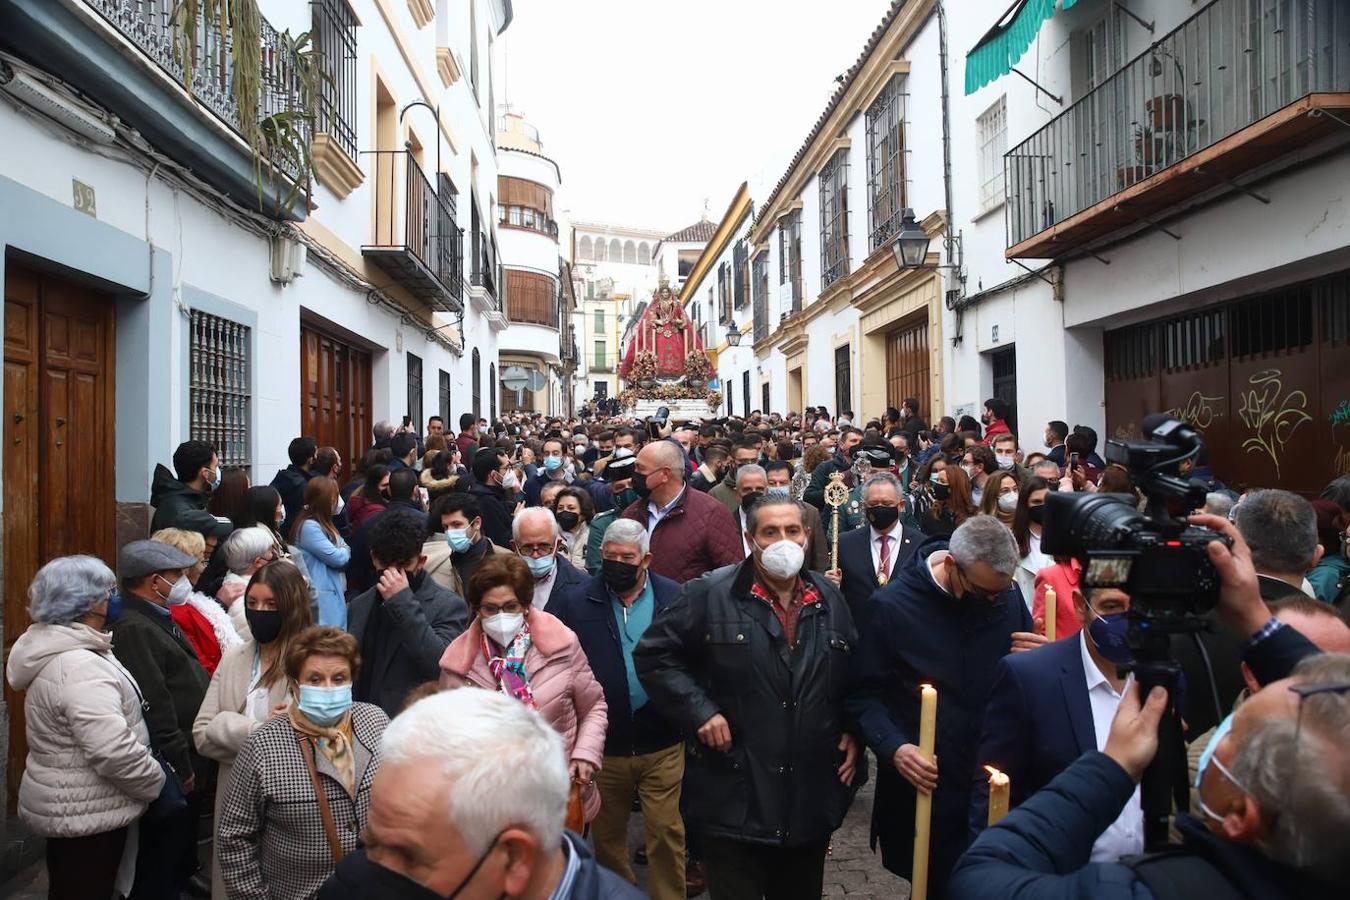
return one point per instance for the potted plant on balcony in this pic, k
(644, 369)
(697, 369)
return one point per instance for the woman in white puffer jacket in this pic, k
(89, 775)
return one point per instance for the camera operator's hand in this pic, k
(1134, 731)
(1028, 640)
(1240, 605)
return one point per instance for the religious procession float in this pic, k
(665, 364)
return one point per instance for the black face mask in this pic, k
(379, 883)
(265, 624)
(567, 520)
(942, 491)
(620, 577)
(416, 579)
(750, 500)
(640, 485)
(1036, 514)
(883, 517)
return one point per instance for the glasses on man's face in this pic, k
(973, 590)
(535, 550)
(510, 607)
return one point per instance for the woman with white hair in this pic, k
(246, 551)
(89, 775)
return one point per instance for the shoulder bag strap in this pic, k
(325, 812)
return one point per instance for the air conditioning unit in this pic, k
(288, 259)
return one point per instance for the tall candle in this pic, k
(923, 806)
(999, 788)
(1050, 614)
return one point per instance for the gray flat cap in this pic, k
(140, 558)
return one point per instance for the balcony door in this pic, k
(1102, 131)
(58, 436)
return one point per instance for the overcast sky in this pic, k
(652, 107)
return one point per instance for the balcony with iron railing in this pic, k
(1233, 88)
(416, 239)
(185, 85)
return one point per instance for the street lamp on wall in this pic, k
(733, 335)
(911, 244)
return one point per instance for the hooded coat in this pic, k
(171, 497)
(917, 633)
(89, 768)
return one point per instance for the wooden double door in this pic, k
(335, 393)
(58, 437)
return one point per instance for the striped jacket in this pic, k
(269, 833)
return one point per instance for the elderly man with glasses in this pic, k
(946, 618)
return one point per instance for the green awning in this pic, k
(1003, 45)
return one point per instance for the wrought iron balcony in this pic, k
(416, 239)
(189, 89)
(1235, 86)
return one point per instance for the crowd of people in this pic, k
(725, 625)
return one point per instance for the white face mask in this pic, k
(509, 482)
(783, 559)
(1007, 502)
(503, 627)
(1005, 462)
(178, 594)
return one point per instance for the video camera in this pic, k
(1156, 558)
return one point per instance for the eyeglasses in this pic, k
(510, 607)
(536, 550)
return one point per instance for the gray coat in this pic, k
(406, 650)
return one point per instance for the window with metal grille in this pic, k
(764, 392)
(415, 389)
(741, 263)
(334, 32)
(843, 379)
(600, 361)
(723, 292)
(760, 298)
(790, 256)
(992, 136)
(219, 352)
(599, 324)
(834, 219)
(444, 405)
(477, 384)
(492, 380)
(886, 162)
(745, 392)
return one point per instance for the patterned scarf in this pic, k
(509, 668)
(334, 743)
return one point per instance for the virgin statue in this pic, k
(665, 331)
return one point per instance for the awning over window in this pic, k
(1003, 45)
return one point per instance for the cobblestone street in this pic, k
(853, 870)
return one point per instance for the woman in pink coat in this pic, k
(529, 654)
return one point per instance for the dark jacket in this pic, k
(171, 679)
(496, 514)
(357, 878)
(719, 649)
(1041, 849)
(1038, 721)
(698, 482)
(917, 633)
(290, 484)
(695, 537)
(859, 581)
(588, 610)
(402, 640)
(534, 485)
(569, 577)
(170, 497)
(361, 574)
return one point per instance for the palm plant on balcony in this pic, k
(234, 31)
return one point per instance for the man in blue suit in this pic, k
(870, 557)
(643, 751)
(1050, 706)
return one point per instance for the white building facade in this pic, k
(163, 282)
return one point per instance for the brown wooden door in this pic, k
(907, 364)
(58, 418)
(335, 393)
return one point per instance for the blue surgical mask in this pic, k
(540, 567)
(553, 463)
(1108, 634)
(1208, 754)
(778, 492)
(325, 705)
(114, 611)
(458, 539)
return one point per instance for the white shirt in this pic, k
(544, 587)
(655, 514)
(749, 547)
(893, 548)
(1124, 836)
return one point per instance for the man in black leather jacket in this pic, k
(751, 662)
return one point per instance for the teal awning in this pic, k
(1003, 45)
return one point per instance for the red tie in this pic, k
(885, 566)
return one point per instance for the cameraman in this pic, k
(1276, 821)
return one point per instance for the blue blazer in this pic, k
(1038, 721)
(859, 580)
(586, 609)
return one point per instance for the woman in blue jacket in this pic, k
(324, 551)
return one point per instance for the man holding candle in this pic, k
(751, 662)
(1049, 707)
(945, 619)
